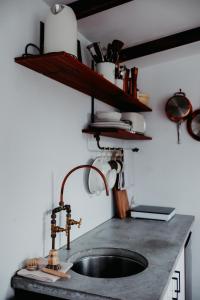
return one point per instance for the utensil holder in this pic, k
(107, 70)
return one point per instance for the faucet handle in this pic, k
(79, 223)
(73, 222)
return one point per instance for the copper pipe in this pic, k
(61, 203)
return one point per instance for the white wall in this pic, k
(167, 173)
(40, 140)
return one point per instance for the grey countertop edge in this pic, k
(28, 285)
(60, 289)
(177, 258)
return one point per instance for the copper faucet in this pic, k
(62, 206)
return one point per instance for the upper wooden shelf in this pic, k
(66, 69)
(116, 133)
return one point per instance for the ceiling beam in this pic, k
(165, 43)
(83, 9)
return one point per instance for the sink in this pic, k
(108, 263)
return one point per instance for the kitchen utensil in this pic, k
(115, 165)
(119, 176)
(109, 53)
(121, 72)
(126, 81)
(110, 116)
(104, 50)
(133, 82)
(178, 108)
(122, 171)
(193, 125)
(92, 52)
(96, 52)
(120, 194)
(136, 120)
(120, 165)
(122, 178)
(61, 30)
(116, 48)
(99, 51)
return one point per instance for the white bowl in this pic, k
(137, 120)
(108, 116)
(130, 116)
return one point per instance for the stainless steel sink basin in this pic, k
(108, 263)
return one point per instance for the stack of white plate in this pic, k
(109, 119)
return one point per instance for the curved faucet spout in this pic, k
(61, 203)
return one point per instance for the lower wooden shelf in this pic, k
(116, 133)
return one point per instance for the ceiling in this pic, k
(139, 21)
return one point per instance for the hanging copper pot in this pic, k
(178, 108)
(193, 125)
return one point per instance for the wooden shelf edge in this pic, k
(66, 69)
(117, 133)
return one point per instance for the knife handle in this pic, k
(134, 74)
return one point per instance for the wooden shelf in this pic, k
(116, 133)
(66, 69)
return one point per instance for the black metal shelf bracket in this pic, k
(97, 137)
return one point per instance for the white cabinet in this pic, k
(179, 278)
(176, 287)
(168, 293)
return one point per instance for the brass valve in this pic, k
(79, 223)
(73, 222)
(69, 223)
(56, 229)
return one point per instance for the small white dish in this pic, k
(120, 125)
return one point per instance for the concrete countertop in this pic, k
(160, 242)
